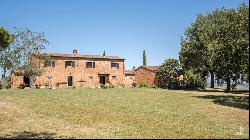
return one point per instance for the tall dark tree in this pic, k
(144, 61)
(5, 38)
(104, 53)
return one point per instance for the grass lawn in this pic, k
(122, 113)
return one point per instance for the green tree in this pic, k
(144, 61)
(232, 61)
(198, 46)
(104, 53)
(192, 81)
(30, 44)
(167, 74)
(9, 58)
(217, 43)
(5, 38)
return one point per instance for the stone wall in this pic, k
(82, 76)
(129, 80)
(145, 76)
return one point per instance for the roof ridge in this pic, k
(83, 55)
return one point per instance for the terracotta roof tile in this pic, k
(151, 68)
(83, 56)
(129, 72)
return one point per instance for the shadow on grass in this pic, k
(31, 135)
(241, 102)
(233, 92)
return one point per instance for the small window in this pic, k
(90, 65)
(49, 64)
(131, 78)
(90, 77)
(113, 77)
(113, 64)
(69, 63)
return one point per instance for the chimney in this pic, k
(133, 68)
(74, 51)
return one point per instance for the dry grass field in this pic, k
(122, 113)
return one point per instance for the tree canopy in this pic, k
(218, 43)
(5, 38)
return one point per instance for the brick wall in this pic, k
(129, 80)
(79, 73)
(145, 76)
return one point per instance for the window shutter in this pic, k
(73, 63)
(93, 64)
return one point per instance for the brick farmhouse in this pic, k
(75, 70)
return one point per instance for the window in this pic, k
(113, 77)
(113, 64)
(131, 78)
(69, 63)
(49, 64)
(90, 65)
(90, 77)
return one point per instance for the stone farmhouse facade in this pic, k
(129, 78)
(146, 75)
(75, 70)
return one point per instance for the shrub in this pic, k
(134, 84)
(142, 85)
(192, 81)
(111, 85)
(167, 74)
(154, 87)
(6, 82)
(104, 86)
(22, 86)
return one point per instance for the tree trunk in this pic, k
(32, 81)
(3, 76)
(4, 72)
(212, 79)
(228, 84)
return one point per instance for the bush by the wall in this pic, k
(104, 86)
(134, 84)
(167, 74)
(192, 81)
(22, 86)
(142, 85)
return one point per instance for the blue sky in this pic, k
(120, 27)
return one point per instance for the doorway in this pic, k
(70, 81)
(26, 81)
(103, 79)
